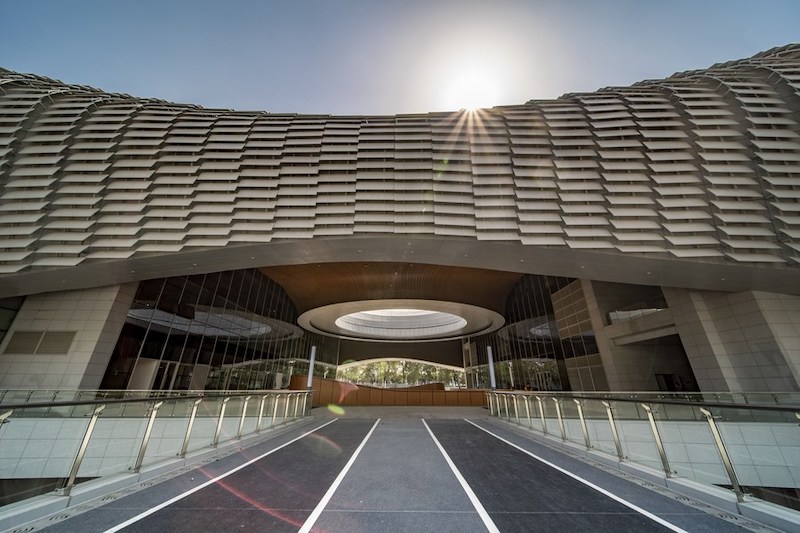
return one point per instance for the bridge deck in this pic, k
(396, 469)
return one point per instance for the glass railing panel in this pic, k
(269, 406)
(38, 452)
(628, 410)
(572, 424)
(600, 432)
(38, 445)
(169, 429)
(678, 412)
(204, 424)
(635, 433)
(113, 446)
(689, 444)
(536, 419)
(550, 413)
(250, 410)
(16, 396)
(230, 422)
(765, 453)
(527, 410)
(594, 409)
(761, 438)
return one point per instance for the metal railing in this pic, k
(44, 435)
(752, 449)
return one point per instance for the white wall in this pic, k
(747, 341)
(96, 317)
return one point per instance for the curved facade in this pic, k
(689, 182)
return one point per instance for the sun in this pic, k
(471, 89)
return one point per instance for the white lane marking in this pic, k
(588, 483)
(210, 481)
(487, 520)
(311, 520)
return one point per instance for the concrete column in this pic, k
(490, 358)
(311, 359)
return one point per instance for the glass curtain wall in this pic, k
(529, 353)
(219, 331)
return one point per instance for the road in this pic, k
(402, 472)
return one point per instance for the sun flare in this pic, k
(470, 90)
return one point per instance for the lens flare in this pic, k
(336, 409)
(321, 446)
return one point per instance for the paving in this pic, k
(386, 469)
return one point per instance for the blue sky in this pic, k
(378, 57)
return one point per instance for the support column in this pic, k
(311, 360)
(492, 381)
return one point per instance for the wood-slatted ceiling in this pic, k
(315, 285)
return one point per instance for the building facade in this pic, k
(633, 238)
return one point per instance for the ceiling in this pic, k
(315, 285)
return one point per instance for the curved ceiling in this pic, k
(317, 285)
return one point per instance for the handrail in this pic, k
(759, 471)
(176, 420)
(67, 403)
(689, 403)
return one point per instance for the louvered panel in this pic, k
(703, 165)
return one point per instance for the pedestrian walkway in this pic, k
(396, 469)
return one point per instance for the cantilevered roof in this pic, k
(691, 181)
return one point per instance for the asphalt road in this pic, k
(401, 474)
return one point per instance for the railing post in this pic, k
(4, 416)
(146, 439)
(614, 433)
(241, 419)
(723, 454)
(296, 403)
(73, 473)
(274, 410)
(261, 412)
(516, 409)
(528, 410)
(583, 423)
(215, 439)
(505, 405)
(287, 397)
(188, 435)
(560, 419)
(541, 414)
(657, 437)
(490, 401)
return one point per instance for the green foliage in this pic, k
(401, 373)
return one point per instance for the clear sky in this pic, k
(379, 56)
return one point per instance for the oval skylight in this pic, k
(400, 323)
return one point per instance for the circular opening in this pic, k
(400, 323)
